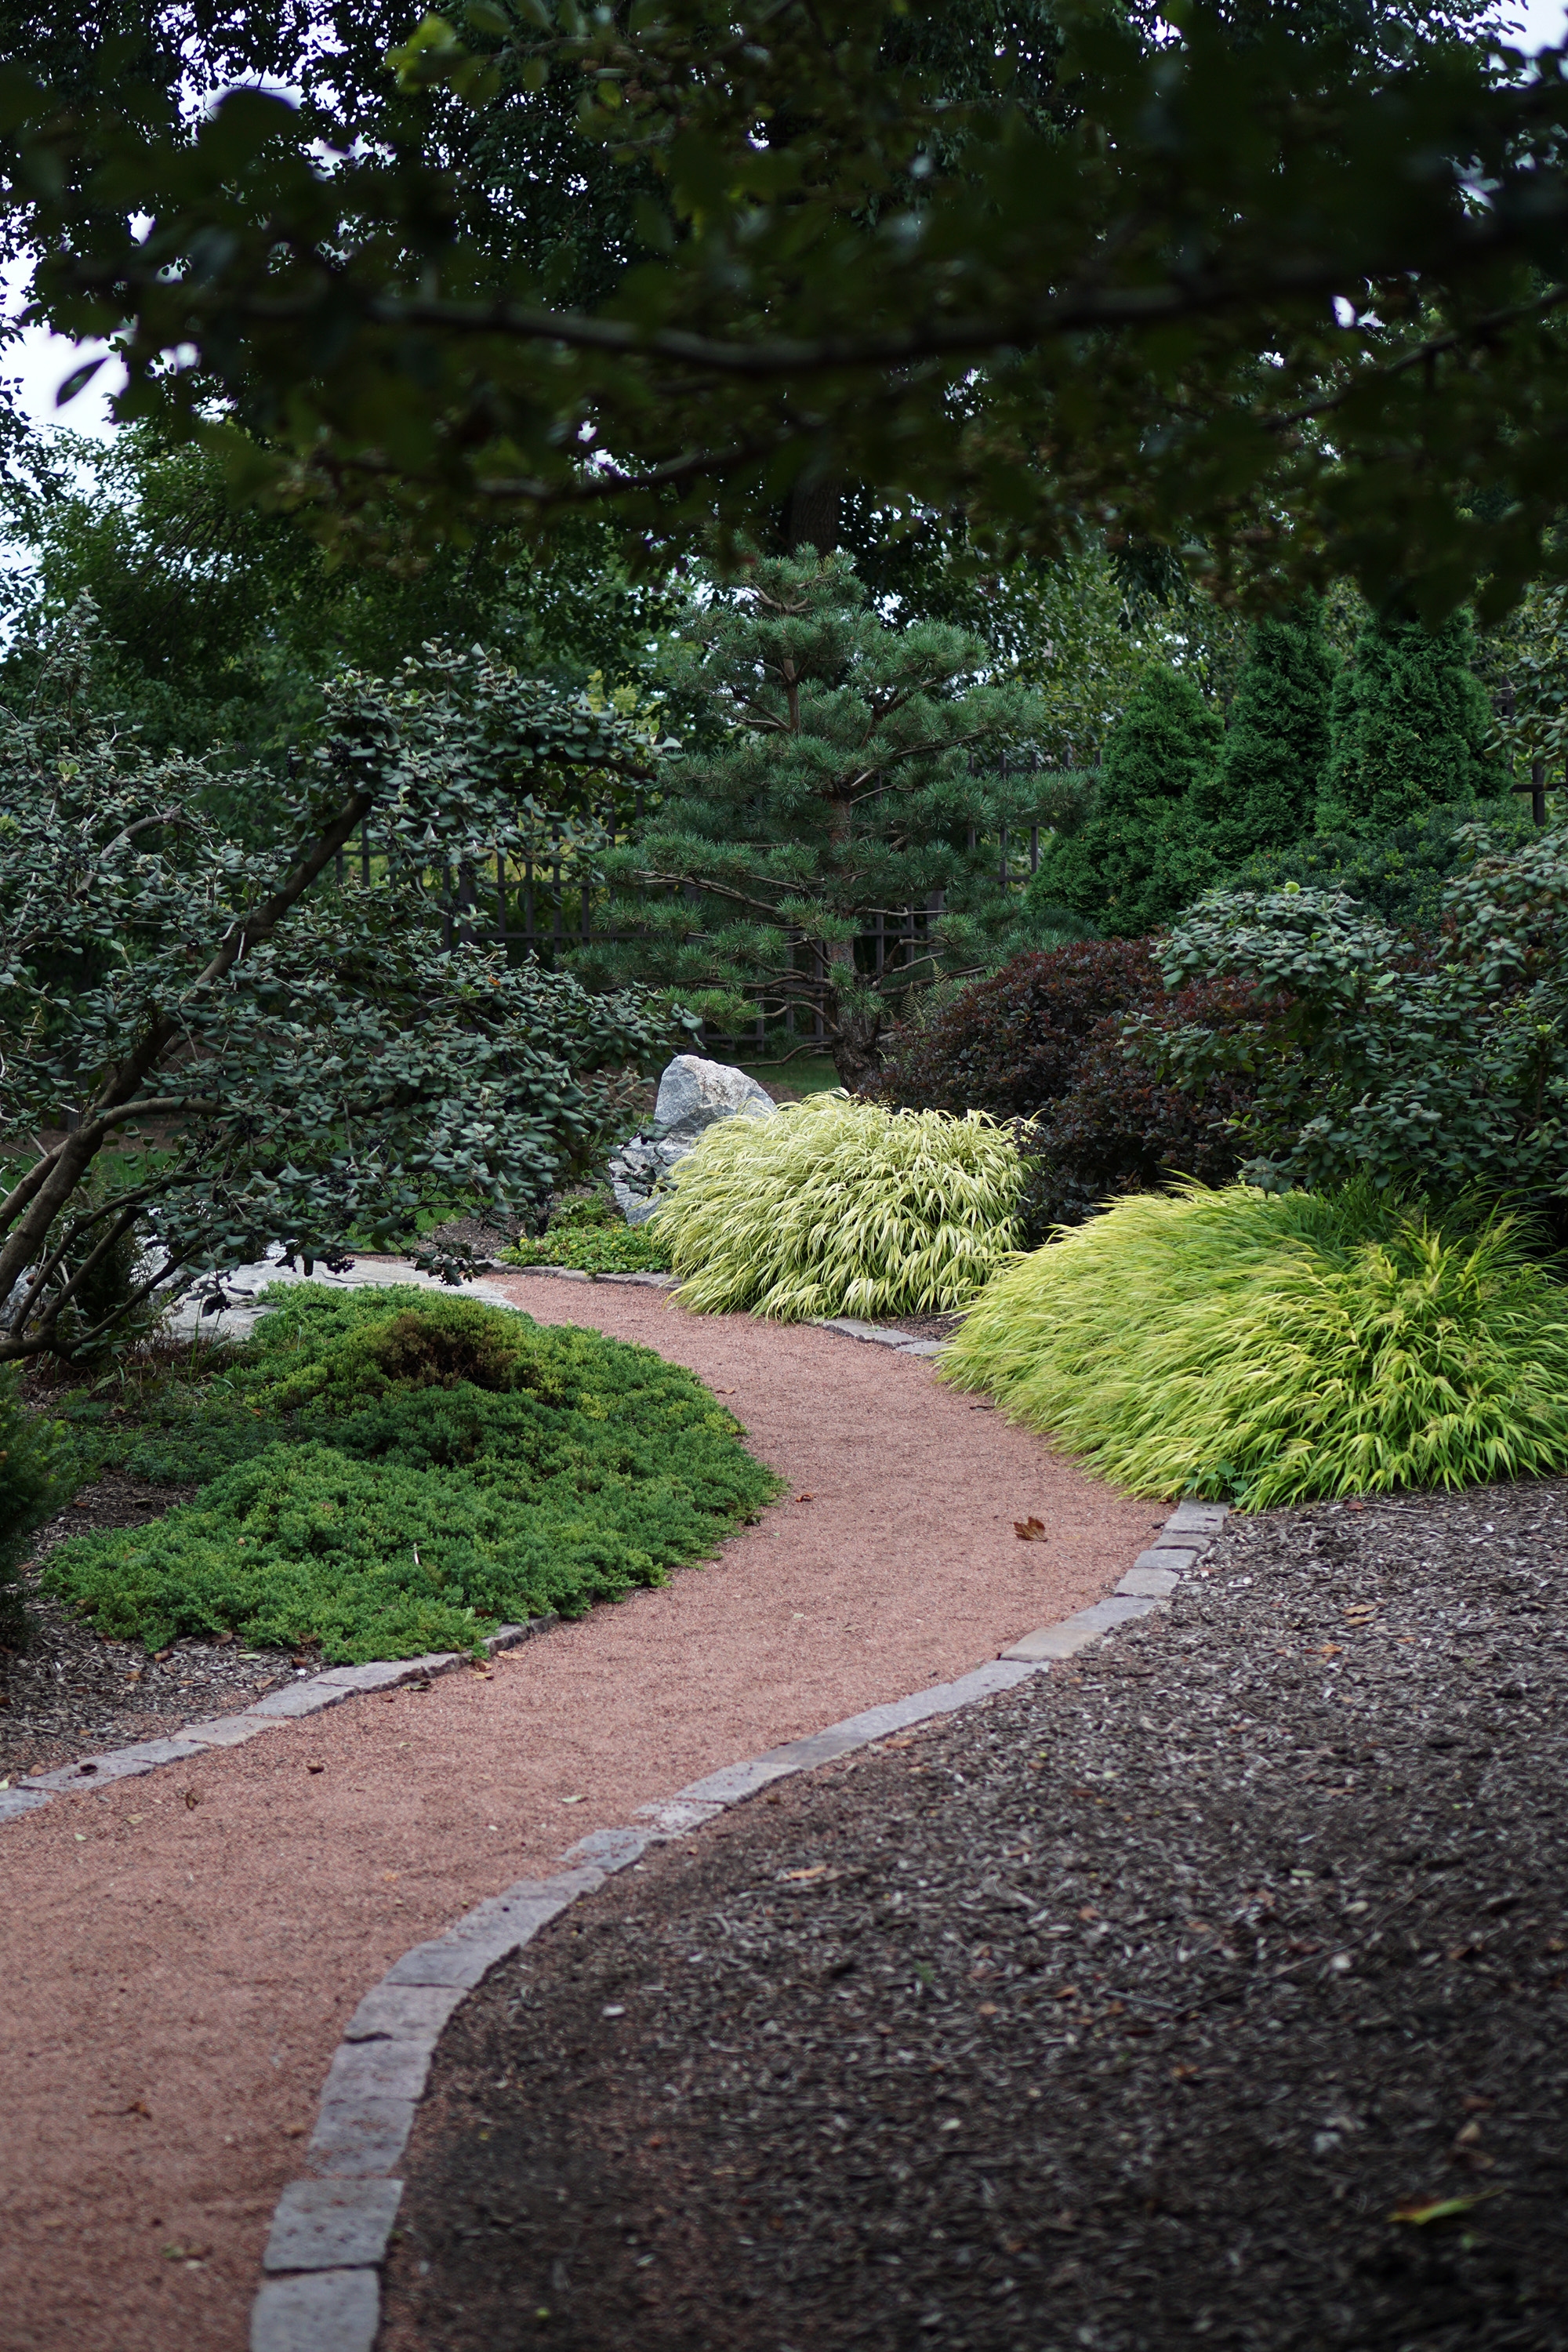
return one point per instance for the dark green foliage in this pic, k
(1409, 726)
(397, 1471)
(1262, 793)
(225, 622)
(1031, 290)
(319, 1061)
(1129, 867)
(838, 771)
(31, 1484)
(1400, 875)
(1441, 1066)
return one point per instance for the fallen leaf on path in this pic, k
(1030, 1530)
(192, 1801)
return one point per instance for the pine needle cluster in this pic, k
(1278, 1348)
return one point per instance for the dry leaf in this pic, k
(1030, 1530)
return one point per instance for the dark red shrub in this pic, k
(1042, 1041)
(1120, 1128)
(1012, 1044)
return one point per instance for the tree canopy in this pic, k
(1292, 278)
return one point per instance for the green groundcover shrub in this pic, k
(592, 1238)
(1275, 1348)
(841, 1207)
(391, 1471)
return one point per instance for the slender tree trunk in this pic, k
(811, 516)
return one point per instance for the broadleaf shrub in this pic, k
(1276, 1347)
(842, 1207)
(397, 1471)
(30, 1486)
(1043, 1041)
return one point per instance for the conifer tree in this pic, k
(1408, 726)
(1262, 792)
(1125, 867)
(829, 839)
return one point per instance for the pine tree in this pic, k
(829, 839)
(1408, 725)
(1262, 793)
(1125, 867)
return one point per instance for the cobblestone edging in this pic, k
(322, 2288)
(310, 1694)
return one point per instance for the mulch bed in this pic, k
(1171, 1998)
(69, 1693)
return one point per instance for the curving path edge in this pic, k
(321, 2291)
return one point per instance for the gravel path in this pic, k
(1159, 2001)
(180, 1953)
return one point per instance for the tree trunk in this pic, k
(811, 516)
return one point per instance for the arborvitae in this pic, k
(1124, 867)
(1409, 721)
(1262, 793)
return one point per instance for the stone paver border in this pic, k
(321, 2286)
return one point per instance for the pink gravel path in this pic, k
(178, 1955)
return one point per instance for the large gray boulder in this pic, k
(692, 1095)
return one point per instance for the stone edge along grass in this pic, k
(322, 2289)
(310, 1694)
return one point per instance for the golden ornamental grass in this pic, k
(1278, 1348)
(838, 1207)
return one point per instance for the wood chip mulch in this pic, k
(1213, 1993)
(67, 1694)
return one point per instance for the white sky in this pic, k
(42, 361)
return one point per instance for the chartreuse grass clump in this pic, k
(1278, 1348)
(391, 1471)
(838, 1207)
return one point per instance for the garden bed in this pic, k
(1217, 1989)
(69, 1693)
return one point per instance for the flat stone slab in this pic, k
(1148, 1583)
(490, 1930)
(403, 2014)
(1177, 1558)
(330, 2225)
(378, 2070)
(356, 2138)
(230, 1730)
(381, 1674)
(675, 1816)
(14, 1802)
(1052, 1642)
(1197, 1519)
(118, 1764)
(326, 2311)
(299, 1699)
(610, 1850)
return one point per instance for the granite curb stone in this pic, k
(319, 2311)
(330, 2225)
